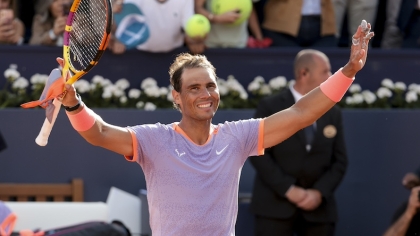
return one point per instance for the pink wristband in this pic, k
(83, 120)
(336, 86)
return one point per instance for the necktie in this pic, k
(309, 135)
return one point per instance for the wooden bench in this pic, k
(72, 192)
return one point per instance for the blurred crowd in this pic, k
(159, 25)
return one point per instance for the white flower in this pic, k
(414, 87)
(243, 95)
(265, 89)
(233, 84)
(349, 100)
(169, 97)
(254, 86)
(20, 83)
(134, 93)
(369, 96)
(93, 86)
(140, 104)
(259, 79)
(122, 84)
(417, 88)
(387, 83)
(11, 73)
(149, 106)
(106, 94)
(400, 86)
(358, 98)
(223, 90)
(82, 86)
(152, 91)
(148, 82)
(163, 91)
(291, 82)
(108, 91)
(106, 82)
(411, 96)
(278, 82)
(355, 88)
(38, 79)
(384, 92)
(13, 66)
(123, 99)
(97, 79)
(117, 92)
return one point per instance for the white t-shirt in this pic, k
(166, 22)
(192, 190)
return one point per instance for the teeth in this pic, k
(205, 105)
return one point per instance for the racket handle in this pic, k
(43, 135)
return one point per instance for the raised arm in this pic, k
(94, 130)
(313, 105)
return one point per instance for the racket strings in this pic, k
(88, 30)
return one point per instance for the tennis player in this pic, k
(192, 167)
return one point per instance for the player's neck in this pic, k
(198, 131)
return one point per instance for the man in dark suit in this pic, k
(296, 179)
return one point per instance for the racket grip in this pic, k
(44, 134)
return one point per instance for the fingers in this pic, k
(363, 33)
(306, 203)
(60, 61)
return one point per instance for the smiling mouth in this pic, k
(207, 105)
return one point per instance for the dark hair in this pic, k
(187, 61)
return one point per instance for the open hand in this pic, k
(359, 49)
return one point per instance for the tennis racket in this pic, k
(85, 39)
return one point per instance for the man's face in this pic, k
(319, 71)
(199, 96)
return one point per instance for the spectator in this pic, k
(154, 26)
(225, 35)
(392, 37)
(406, 220)
(300, 23)
(356, 12)
(49, 22)
(402, 29)
(12, 29)
(295, 182)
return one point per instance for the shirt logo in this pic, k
(179, 154)
(220, 152)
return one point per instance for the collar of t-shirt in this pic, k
(311, 7)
